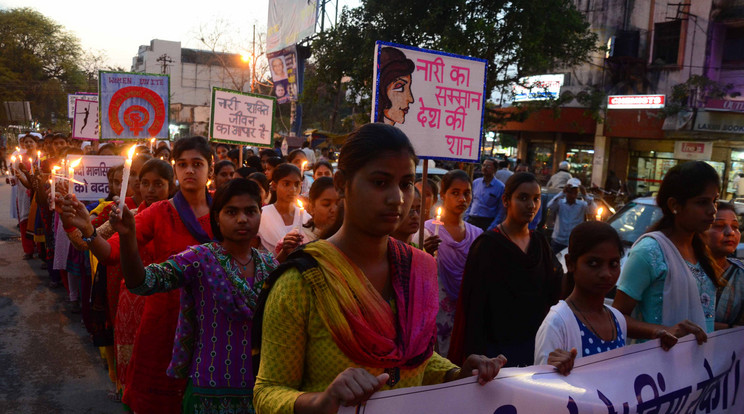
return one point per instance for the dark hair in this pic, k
(370, 142)
(453, 175)
(110, 176)
(232, 188)
(227, 147)
(162, 150)
(391, 64)
(233, 154)
(503, 163)
(160, 167)
(584, 237)
(322, 163)
(244, 172)
(319, 186)
(725, 206)
(294, 153)
(105, 146)
(267, 152)
(142, 157)
(261, 179)
(514, 181)
(222, 164)
(305, 144)
(197, 143)
(275, 161)
(432, 186)
(254, 162)
(683, 182)
(284, 170)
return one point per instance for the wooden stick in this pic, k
(422, 219)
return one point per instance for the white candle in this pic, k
(438, 221)
(38, 160)
(302, 210)
(125, 177)
(152, 146)
(71, 175)
(12, 166)
(51, 182)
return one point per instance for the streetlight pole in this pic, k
(253, 63)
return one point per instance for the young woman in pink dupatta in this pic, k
(354, 314)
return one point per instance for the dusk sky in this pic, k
(119, 28)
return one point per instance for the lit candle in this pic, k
(304, 163)
(38, 160)
(302, 210)
(209, 183)
(599, 213)
(438, 221)
(53, 182)
(71, 175)
(125, 177)
(152, 145)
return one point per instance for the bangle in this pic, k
(90, 238)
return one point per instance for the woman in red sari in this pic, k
(171, 226)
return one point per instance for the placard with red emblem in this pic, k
(133, 105)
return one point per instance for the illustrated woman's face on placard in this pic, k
(400, 95)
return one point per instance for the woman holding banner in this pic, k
(359, 299)
(669, 275)
(172, 226)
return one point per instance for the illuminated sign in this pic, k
(635, 101)
(538, 88)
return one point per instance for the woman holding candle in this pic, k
(455, 237)
(171, 226)
(511, 280)
(359, 299)
(299, 159)
(223, 378)
(284, 215)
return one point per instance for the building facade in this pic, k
(690, 52)
(193, 74)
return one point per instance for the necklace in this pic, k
(589, 324)
(242, 265)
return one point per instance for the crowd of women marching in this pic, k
(288, 285)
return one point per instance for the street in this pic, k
(47, 363)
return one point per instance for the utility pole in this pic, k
(253, 63)
(164, 60)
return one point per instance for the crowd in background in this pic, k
(229, 282)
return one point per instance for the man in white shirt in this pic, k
(569, 211)
(309, 153)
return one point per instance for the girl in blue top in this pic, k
(669, 277)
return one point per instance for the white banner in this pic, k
(92, 181)
(80, 95)
(290, 21)
(241, 118)
(436, 98)
(85, 120)
(688, 379)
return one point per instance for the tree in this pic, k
(517, 37)
(38, 63)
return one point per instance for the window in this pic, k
(666, 42)
(733, 45)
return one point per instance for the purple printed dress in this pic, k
(212, 346)
(451, 257)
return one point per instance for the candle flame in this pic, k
(173, 162)
(304, 163)
(599, 213)
(18, 149)
(209, 182)
(152, 140)
(12, 158)
(55, 168)
(130, 154)
(75, 163)
(299, 204)
(439, 211)
(38, 154)
(20, 158)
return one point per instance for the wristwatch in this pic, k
(92, 236)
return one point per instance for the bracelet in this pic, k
(91, 237)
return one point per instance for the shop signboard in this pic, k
(538, 88)
(635, 101)
(693, 150)
(727, 123)
(724, 105)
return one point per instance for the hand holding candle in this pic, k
(125, 177)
